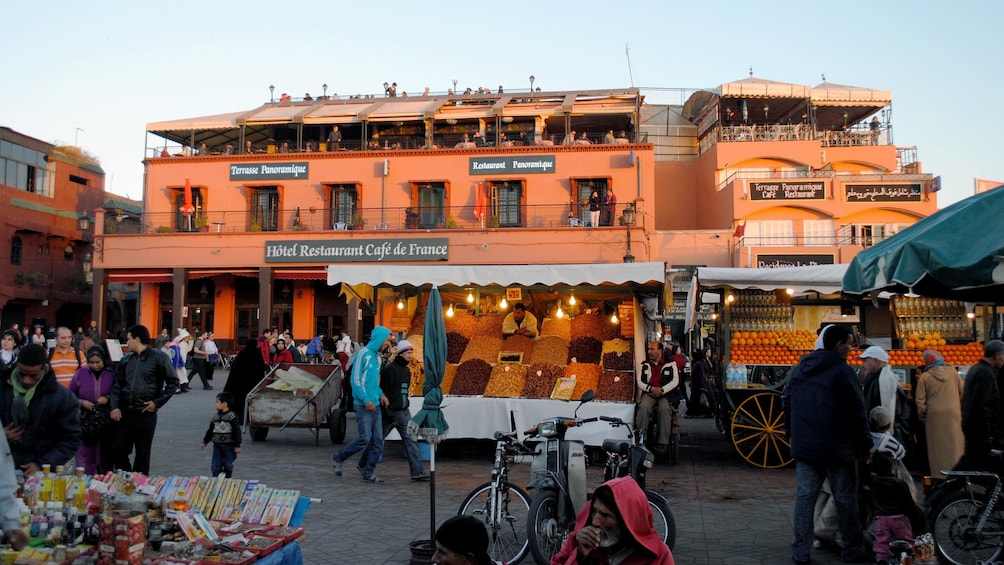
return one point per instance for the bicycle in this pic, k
(503, 506)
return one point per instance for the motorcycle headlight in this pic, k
(547, 429)
(649, 460)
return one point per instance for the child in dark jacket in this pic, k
(895, 514)
(225, 433)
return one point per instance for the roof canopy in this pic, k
(501, 275)
(824, 279)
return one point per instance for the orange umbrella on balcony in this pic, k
(187, 208)
(479, 203)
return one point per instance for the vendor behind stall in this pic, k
(519, 322)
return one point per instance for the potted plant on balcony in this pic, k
(358, 222)
(493, 222)
(164, 229)
(411, 219)
(202, 223)
(255, 226)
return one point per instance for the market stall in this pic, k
(589, 319)
(132, 519)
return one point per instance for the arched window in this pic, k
(16, 246)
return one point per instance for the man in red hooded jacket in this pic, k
(616, 527)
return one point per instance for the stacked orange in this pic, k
(927, 341)
(967, 354)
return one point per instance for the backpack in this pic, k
(76, 354)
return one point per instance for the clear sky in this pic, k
(111, 67)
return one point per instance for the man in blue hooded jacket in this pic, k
(824, 414)
(365, 380)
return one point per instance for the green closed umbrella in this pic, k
(429, 422)
(956, 253)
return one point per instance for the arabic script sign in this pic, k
(811, 190)
(357, 250)
(883, 192)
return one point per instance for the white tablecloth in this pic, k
(473, 417)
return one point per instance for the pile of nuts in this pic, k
(617, 386)
(483, 347)
(540, 379)
(551, 350)
(507, 380)
(586, 375)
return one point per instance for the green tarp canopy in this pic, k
(956, 253)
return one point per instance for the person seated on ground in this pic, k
(616, 527)
(658, 384)
(462, 540)
(519, 322)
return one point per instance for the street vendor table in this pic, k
(289, 554)
(475, 417)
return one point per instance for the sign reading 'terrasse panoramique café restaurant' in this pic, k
(357, 250)
(812, 190)
(268, 171)
(504, 165)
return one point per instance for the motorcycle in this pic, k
(558, 483)
(965, 515)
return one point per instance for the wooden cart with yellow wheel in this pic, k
(754, 420)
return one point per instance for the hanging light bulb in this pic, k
(571, 299)
(614, 319)
(449, 311)
(400, 303)
(470, 297)
(559, 314)
(503, 304)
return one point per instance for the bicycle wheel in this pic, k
(544, 530)
(955, 535)
(507, 540)
(662, 517)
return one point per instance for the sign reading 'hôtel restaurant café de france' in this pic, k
(357, 250)
(534, 164)
(268, 171)
(811, 190)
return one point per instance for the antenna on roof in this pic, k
(627, 53)
(823, 77)
(751, 70)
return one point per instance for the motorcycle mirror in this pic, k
(587, 396)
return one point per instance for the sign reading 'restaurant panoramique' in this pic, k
(268, 171)
(357, 250)
(525, 164)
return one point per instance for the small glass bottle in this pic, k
(181, 501)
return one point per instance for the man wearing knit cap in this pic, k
(394, 381)
(981, 408)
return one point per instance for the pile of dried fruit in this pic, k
(489, 324)
(417, 379)
(560, 327)
(620, 361)
(616, 346)
(472, 378)
(418, 341)
(456, 343)
(540, 379)
(586, 375)
(448, 376)
(550, 349)
(616, 386)
(483, 347)
(519, 343)
(507, 380)
(585, 349)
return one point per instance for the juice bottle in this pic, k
(78, 490)
(45, 484)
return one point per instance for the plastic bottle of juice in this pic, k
(78, 490)
(45, 484)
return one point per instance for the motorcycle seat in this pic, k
(616, 446)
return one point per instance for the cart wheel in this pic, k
(336, 425)
(758, 431)
(259, 434)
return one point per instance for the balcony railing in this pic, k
(540, 216)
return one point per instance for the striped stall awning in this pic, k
(140, 276)
(306, 274)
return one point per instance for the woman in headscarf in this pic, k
(939, 406)
(92, 384)
(9, 345)
(282, 354)
(246, 370)
(180, 347)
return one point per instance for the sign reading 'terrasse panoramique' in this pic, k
(268, 171)
(357, 250)
(525, 164)
(811, 190)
